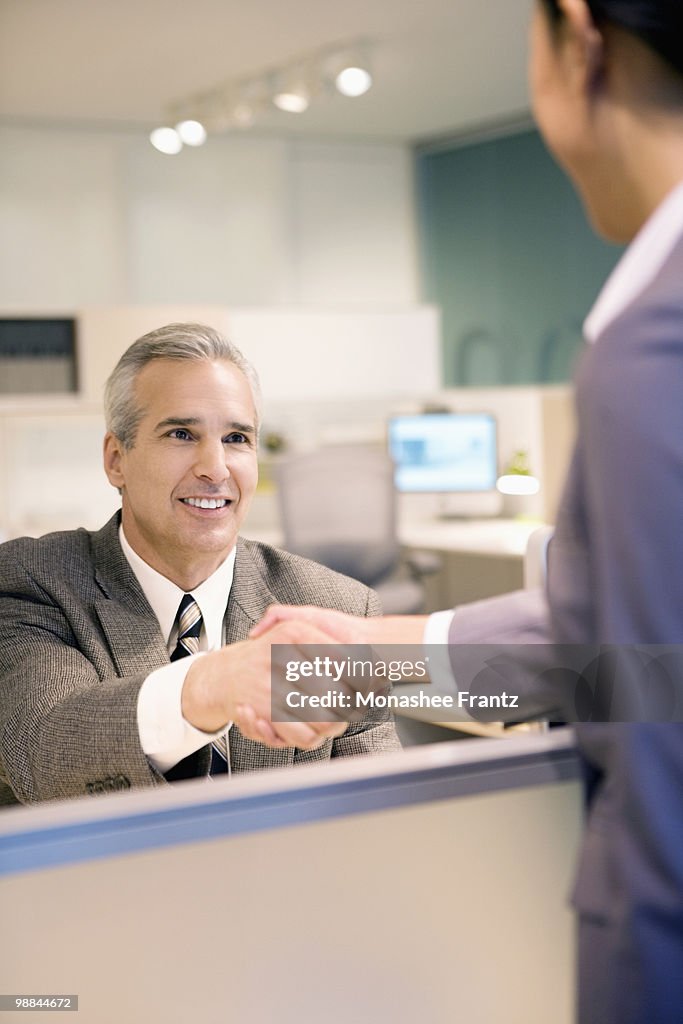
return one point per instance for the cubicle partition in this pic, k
(426, 885)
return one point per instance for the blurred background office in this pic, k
(409, 248)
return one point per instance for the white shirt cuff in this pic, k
(165, 736)
(435, 639)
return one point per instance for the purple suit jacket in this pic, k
(615, 576)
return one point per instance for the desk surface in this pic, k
(483, 536)
(497, 537)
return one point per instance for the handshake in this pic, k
(241, 683)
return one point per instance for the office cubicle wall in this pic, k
(429, 885)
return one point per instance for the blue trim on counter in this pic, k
(516, 764)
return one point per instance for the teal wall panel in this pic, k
(509, 257)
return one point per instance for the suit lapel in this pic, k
(249, 598)
(135, 641)
(128, 622)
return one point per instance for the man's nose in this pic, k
(211, 461)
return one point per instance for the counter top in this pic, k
(87, 828)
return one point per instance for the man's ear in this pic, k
(112, 453)
(585, 39)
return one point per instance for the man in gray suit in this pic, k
(90, 701)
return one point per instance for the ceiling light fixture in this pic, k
(243, 114)
(191, 132)
(166, 140)
(293, 101)
(247, 100)
(291, 88)
(353, 81)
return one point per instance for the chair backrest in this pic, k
(338, 507)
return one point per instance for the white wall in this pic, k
(102, 218)
(301, 354)
(61, 219)
(368, 252)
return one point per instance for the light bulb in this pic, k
(166, 140)
(192, 133)
(353, 81)
(294, 101)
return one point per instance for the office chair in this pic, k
(338, 507)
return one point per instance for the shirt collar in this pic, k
(164, 596)
(639, 265)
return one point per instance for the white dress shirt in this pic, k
(637, 268)
(640, 264)
(165, 736)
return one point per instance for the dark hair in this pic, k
(657, 23)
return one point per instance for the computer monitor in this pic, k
(446, 453)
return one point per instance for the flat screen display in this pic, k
(444, 452)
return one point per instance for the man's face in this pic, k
(196, 442)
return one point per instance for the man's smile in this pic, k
(206, 502)
(211, 507)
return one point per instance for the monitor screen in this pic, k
(447, 452)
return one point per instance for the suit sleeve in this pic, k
(64, 731)
(504, 644)
(633, 413)
(375, 733)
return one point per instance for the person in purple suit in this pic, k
(607, 86)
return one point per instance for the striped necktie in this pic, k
(189, 619)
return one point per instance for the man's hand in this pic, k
(234, 684)
(340, 627)
(345, 629)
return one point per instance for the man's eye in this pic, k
(180, 434)
(236, 438)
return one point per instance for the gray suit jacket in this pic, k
(78, 638)
(615, 576)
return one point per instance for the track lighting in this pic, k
(292, 88)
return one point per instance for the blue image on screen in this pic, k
(444, 452)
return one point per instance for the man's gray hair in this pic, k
(175, 341)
